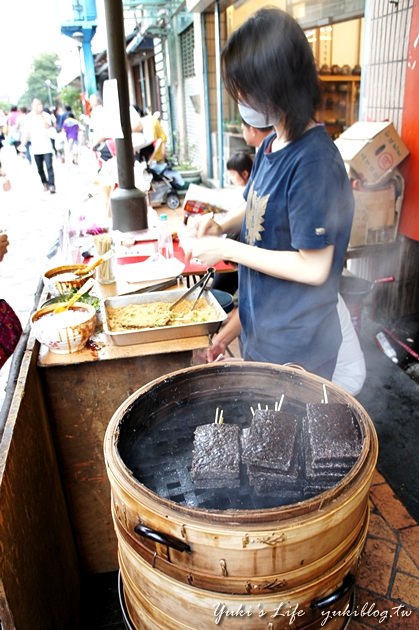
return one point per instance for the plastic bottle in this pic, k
(165, 242)
(386, 347)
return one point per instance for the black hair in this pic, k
(268, 64)
(68, 108)
(240, 162)
(138, 110)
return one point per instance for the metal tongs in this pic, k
(202, 282)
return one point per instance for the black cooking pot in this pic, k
(354, 289)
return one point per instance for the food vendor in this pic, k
(296, 222)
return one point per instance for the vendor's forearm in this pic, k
(230, 331)
(307, 266)
(232, 223)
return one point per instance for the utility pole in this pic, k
(78, 38)
(128, 203)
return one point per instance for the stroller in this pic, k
(105, 151)
(165, 185)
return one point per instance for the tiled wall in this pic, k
(385, 56)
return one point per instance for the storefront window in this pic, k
(319, 13)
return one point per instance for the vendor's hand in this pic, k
(203, 226)
(215, 352)
(209, 250)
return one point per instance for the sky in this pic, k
(31, 28)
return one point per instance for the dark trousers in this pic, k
(40, 161)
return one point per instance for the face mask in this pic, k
(254, 118)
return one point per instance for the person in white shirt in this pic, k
(350, 370)
(37, 130)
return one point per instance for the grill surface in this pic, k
(156, 440)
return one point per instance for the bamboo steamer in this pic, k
(155, 601)
(252, 552)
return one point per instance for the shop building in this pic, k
(366, 56)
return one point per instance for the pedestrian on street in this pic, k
(38, 124)
(14, 129)
(71, 129)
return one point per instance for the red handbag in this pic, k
(10, 331)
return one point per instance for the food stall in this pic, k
(53, 484)
(82, 391)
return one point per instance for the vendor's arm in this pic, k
(230, 224)
(309, 266)
(226, 334)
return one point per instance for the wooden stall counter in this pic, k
(99, 350)
(82, 392)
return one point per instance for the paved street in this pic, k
(32, 219)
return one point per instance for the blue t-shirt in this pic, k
(298, 197)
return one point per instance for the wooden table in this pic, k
(82, 392)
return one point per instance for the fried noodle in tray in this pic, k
(157, 314)
(148, 317)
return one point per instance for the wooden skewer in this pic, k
(252, 410)
(216, 416)
(280, 402)
(221, 419)
(325, 398)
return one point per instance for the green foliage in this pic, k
(5, 106)
(71, 96)
(45, 69)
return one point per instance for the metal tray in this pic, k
(164, 333)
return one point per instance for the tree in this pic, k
(42, 80)
(5, 106)
(71, 96)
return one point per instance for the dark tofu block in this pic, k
(216, 452)
(283, 496)
(290, 477)
(270, 484)
(271, 441)
(332, 433)
(209, 484)
(329, 472)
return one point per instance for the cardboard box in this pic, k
(377, 212)
(372, 150)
